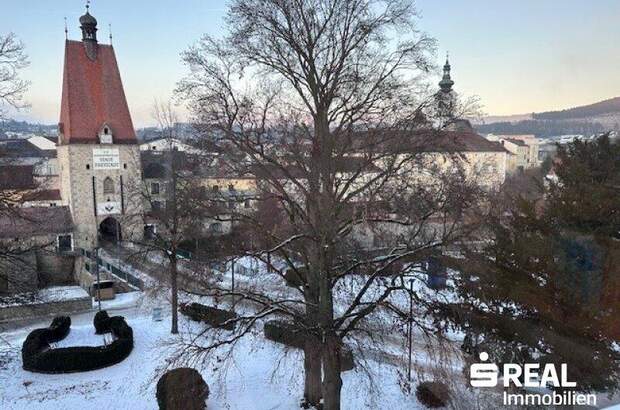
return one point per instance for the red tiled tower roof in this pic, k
(93, 96)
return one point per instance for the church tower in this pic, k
(446, 97)
(97, 149)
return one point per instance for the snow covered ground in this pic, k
(260, 375)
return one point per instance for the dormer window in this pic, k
(105, 135)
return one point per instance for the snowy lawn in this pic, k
(261, 375)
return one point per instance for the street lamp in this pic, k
(410, 329)
(96, 254)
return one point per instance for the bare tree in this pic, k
(323, 103)
(171, 193)
(12, 60)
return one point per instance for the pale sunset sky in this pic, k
(518, 56)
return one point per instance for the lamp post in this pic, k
(96, 254)
(233, 284)
(410, 328)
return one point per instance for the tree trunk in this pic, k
(175, 295)
(332, 383)
(312, 348)
(312, 376)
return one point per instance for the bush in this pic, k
(182, 389)
(39, 339)
(101, 322)
(294, 277)
(346, 359)
(37, 356)
(210, 315)
(288, 334)
(433, 394)
(284, 332)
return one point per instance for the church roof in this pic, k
(93, 95)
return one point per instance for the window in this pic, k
(215, 188)
(87, 166)
(125, 166)
(231, 187)
(216, 227)
(65, 243)
(108, 186)
(246, 203)
(155, 188)
(4, 284)
(150, 231)
(156, 206)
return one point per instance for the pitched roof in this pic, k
(424, 140)
(93, 95)
(35, 221)
(43, 195)
(16, 177)
(517, 142)
(22, 148)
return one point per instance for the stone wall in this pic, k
(19, 273)
(68, 307)
(55, 269)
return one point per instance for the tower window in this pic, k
(87, 166)
(108, 186)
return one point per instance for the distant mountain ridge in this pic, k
(585, 120)
(610, 106)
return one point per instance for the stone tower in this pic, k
(98, 153)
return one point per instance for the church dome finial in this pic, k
(446, 82)
(88, 24)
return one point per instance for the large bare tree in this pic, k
(324, 104)
(12, 60)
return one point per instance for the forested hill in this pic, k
(611, 106)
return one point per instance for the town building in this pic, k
(523, 151)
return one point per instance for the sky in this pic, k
(517, 56)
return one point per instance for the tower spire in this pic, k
(110, 28)
(446, 82)
(66, 30)
(88, 24)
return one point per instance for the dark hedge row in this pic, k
(287, 333)
(433, 394)
(37, 356)
(210, 315)
(182, 389)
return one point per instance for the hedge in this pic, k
(295, 277)
(182, 389)
(433, 394)
(38, 356)
(287, 333)
(215, 317)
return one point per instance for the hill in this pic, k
(610, 106)
(585, 120)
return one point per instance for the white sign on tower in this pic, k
(106, 158)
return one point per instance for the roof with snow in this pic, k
(93, 96)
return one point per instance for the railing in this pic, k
(112, 269)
